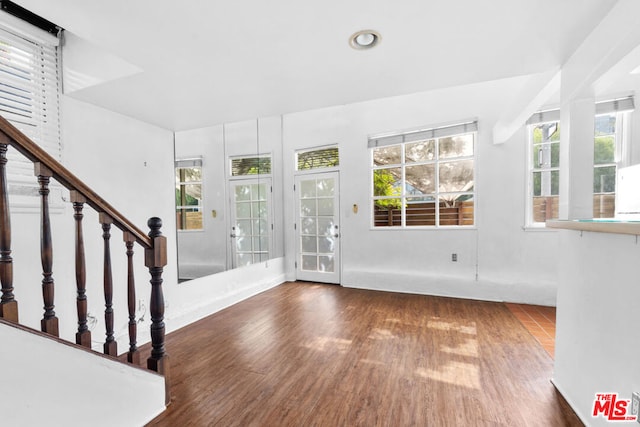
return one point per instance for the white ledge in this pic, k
(597, 225)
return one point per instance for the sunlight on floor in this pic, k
(329, 344)
(457, 373)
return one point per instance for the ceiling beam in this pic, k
(533, 96)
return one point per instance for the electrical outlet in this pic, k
(454, 257)
(635, 405)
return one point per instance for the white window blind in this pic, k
(424, 134)
(29, 97)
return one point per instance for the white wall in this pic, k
(497, 259)
(68, 387)
(596, 337)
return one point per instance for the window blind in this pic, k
(29, 91)
(605, 107)
(423, 134)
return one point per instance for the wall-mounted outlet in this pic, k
(454, 257)
(635, 405)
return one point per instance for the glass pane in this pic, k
(243, 192)
(456, 209)
(456, 146)
(555, 154)
(308, 226)
(604, 150)
(386, 182)
(188, 194)
(263, 256)
(308, 207)
(259, 191)
(326, 244)
(326, 264)
(605, 125)
(389, 155)
(264, 244)
(308, 188)
(256, 244)
(537, 183)
(546, 132)
(604, 179)
(244, 259)
(325, 158)
(420, 151)
(555, 184)
(387, 212)
(456, 176)
(250, 166)
(243, 210)
(325, 226)
(243, 227)
(326, 187)
(309, 262)
(260, 226)
(309, 244)
(188, 174)
(420, 179)
(243, 244)
(325, 207)
(421, 211)
(189, 218)
(259, 209)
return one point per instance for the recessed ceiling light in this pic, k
(365, 39)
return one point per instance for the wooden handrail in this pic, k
(36, 154)
(154, 245)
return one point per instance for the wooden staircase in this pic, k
(153, 244)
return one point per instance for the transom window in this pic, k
(424, 178)
(317, 159)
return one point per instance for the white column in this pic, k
(576, 158)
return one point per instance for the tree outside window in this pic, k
(426, 182)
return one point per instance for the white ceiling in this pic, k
(210, 62)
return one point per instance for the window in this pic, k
(29, 92)
(243, 166)
(608, 153)
(424, 178)
(189, 194)
(317, 159)
(544, 166)
(544, 160)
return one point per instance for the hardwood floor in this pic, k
(306, 354)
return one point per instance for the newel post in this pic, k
(155, 260)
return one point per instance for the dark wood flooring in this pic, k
(306, 354)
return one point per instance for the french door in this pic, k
(250, 221)
(317, 228)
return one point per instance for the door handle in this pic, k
(232, 235)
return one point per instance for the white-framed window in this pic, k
(317, 158)
(29, 99)
(189, 202)
(543, 164)
(543, 160)
(424, 178)
(609, 153)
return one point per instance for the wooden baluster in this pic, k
(155, 260)
(110, 345)
(8, 304)
(49, 323)
(133, 356)
(83, 336)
